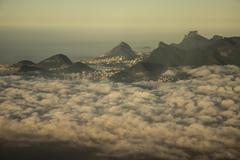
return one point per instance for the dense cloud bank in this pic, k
(197, 118)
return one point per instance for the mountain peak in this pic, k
(56, 61)
(217, 37)
(123, 49)
(24, 63)
(192, 34)
(194, 40)
(124, 44)
(59, 55)
(162, 44)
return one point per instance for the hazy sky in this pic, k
(137, 15)
(135, 21)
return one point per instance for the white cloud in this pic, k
(165, 120)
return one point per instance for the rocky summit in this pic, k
(53, 66)
(123, 49)
(55, 61)
(78, 67)
(194, 50)
(194, 40)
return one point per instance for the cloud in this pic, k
(196, 118)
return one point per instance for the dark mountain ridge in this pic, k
(55, 64)
(123, 49)
(55, 61)
(194, 50)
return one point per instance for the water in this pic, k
(37, 44)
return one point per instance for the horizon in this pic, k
(74, 55)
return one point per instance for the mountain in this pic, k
(216, 37)
(23, 63)
(52, 66)
(194, 50)
(78, 67)
(32, 69)
(123, 49)
(55, 61)
(140, 71)
(194, 40)
(226, 50)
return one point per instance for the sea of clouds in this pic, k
(196, 118)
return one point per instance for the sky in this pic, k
(92, 27)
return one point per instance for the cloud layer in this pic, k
(198, 118)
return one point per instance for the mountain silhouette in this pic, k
(23, 63)
(32, 70)
(194, 50)
(123, 49)
(194, 40)
(53, 65)
(55, 61)
(78, 67)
